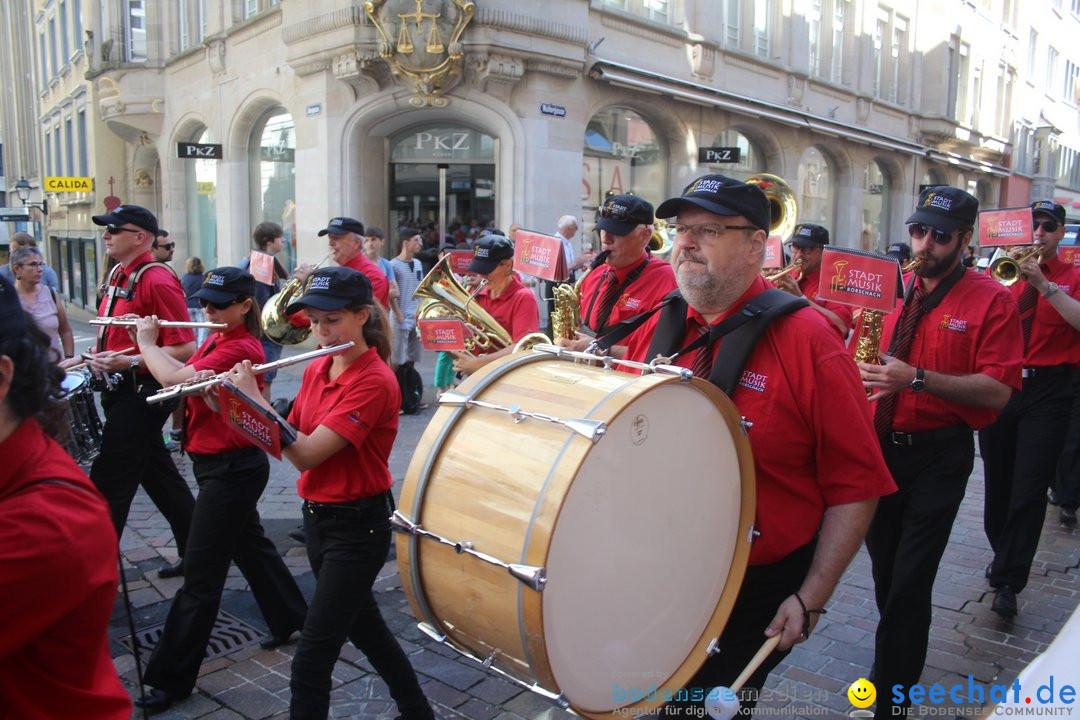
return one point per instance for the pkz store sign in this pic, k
(444, 144)
(198, 151)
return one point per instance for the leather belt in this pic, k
(348, 509)
(1031, 372)
(911, 439)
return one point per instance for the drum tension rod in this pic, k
(533, 576)
(591, 430)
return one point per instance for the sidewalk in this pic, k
(240, 680)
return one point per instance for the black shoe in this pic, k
(1052, 497)
(155, 700)
(298, 535)
(172, 571)
(1004, 602)
(1067, 516)
(274, 641)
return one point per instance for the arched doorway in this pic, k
(271, 162)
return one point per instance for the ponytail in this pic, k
(377, 330)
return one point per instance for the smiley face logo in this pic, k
(862, 693)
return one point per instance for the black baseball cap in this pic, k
(225, 284)
(332, 289)
(489, 251)
(132, 215)
(1049, 207)
(808, 235)
(900, 251)
(945, 208)
(12, 316)
(341, 226)
(722, 195)
(620, 214)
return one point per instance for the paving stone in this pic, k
(495, 690)
(220, 681)
(452, 673)
(252, 701)
(443, 694)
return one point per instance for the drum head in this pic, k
(642, 550)
(72, 382)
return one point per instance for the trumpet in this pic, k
(130, 322)
(790, 268)
(196, 386)
(1006, 269)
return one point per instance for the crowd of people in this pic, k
(873, 452)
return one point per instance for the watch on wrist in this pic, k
(1051, 288)
(919, 383)
(134, 364)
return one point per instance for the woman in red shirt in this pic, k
(58, 568)
(346, 417)
(232, 476)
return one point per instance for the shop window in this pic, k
(272, 163)
(875, 208)
(751, 159)
(622, 154)
(201, 187)
(816, 191)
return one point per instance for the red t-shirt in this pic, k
(515, 309)
(361, 405)
(809, 286)
(380, 286)
(812, 438)
(158, 292)
(654, 282)
(206, 432)
(975, 329)
(58, 575)
(1053, 341)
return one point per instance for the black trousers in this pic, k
(225, 528)
(906, 540)
(763, 590)
(347, 549)
(1020, 455)
(1068, 475)
(132, 454)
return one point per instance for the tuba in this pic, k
(660, 242)
(781, 203)
(447, 298)
(276, 326)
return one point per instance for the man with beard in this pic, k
(807, 243)
(950, 361)
(799, 391)
(1020, 451)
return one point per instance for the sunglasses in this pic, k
(218, 306)
(918, 231)
(615, 214)
(165, 246)
(116, 229)
(1047, 225)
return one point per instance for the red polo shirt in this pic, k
(654, 282)
(158, 292)
(809, 286)
(1053, 341)
(812, 438)
(206, 432)
(58, 578)
(380, 286)
(361, 405)
(515, 309)
(975, 329)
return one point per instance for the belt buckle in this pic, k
(901, 439)
(1027, 373)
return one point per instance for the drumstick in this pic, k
(80, 366)
(721, 702)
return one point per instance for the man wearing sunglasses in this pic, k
(133, 452)
(1020, 451)
(950, 361)
(162, 248)
(818, 472)
(629, 280)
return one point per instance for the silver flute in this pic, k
(196, 386)
(130, 322)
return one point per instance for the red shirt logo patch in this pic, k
(630, 302)
(753, 381)
(948, 322)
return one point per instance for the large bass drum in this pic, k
(582, 530)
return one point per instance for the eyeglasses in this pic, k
(918, 231)
(707, 232)
(218, 306)
(165, 246)
(1047, 225)
(116, 229)
(32, 264)
(617, 214)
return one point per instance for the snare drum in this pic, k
(583, 530)
(83, 440)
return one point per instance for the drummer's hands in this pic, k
(788, 622)
(146, 331)
(68, 363)
(109, 361)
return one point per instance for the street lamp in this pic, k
(22, 189)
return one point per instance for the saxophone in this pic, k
(566, 319)
(868, 342)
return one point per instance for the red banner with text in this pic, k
(442, 334)
(774, 253)
(460, 261)
(245, 417)
(858, 278)
(1011, 226)
(540, 255)
(1069, 254)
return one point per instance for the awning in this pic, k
(648, 81)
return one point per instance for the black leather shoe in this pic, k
(172, 571)
(274, 641)
(1004, 602)
(155, 700)
(1067, 516)
(298, 535)
(1052, 497)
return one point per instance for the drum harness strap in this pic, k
(744, 327)
(115, 292)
